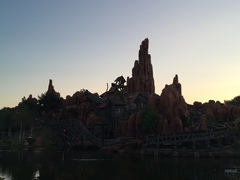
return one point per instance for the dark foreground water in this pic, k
(59, 165)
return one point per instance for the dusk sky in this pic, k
(87, 44)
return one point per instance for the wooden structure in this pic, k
(217, 134)
(73, 133)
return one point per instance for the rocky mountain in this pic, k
(142, 72)
(118, 109)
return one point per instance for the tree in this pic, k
(6, 120)
(148, 119)
(23, 119)
(50, 102)
(235, 101)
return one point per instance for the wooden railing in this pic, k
(216, 132)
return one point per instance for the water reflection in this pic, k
(36, 174)
(60, 165)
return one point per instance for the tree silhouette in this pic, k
(148, 119)
(235, 101)
(50, 102)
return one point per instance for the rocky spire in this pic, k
(50, 87)
(142, 72)
(173, 106)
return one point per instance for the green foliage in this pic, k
(50, 102)
(10, 143)
(32, 105)
(148, 119)
(12, 119)
(6, 118)
(23, 115)
(235, 101)
(49, 137)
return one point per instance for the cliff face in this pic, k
(142, 72)
(215, 112)
(82, 106)
(173, 106)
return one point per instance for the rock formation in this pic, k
(142, 72)
(214, 112)
(130, 127)
(51, 88)
(173, 106)
(82, 106)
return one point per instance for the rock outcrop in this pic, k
(214, 112)
(130, 127)
(173, 106)
(51, 88)
(142, 72)
(82, 105)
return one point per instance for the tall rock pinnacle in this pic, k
(50, 87)
(142, 72)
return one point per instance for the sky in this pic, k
(87, 44)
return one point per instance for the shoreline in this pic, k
(224, 152)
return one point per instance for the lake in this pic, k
(74, 165)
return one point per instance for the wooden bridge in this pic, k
(215, 135)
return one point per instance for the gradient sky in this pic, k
(86, 44)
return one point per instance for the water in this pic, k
(74, 165)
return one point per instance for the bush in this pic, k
(148, 120)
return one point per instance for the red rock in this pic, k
(152, 101)
(172, 105)
(176, 125)
(142, 72)
(217, 112)
(51, 88)
(162, 126)
(203, 122)
(130, 127)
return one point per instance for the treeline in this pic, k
(21, 118)
(235, 101)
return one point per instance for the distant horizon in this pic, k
(85, 45)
